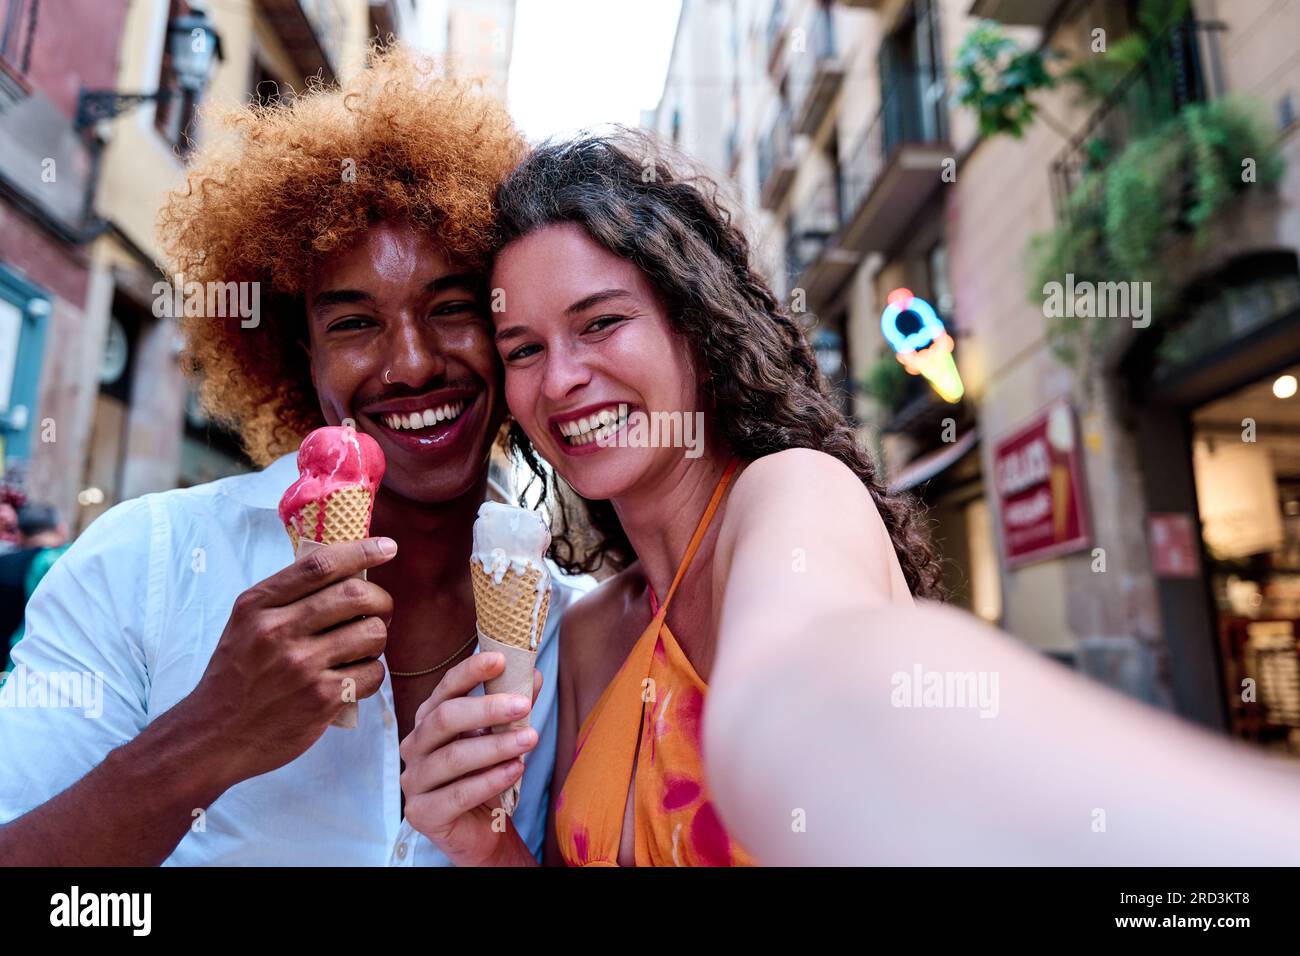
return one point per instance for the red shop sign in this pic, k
(1039, 481)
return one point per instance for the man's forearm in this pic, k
(131, 810)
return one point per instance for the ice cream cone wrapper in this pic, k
(517, 678)
(347, 717)
(511, 617)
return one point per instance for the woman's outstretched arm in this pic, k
(846, 728)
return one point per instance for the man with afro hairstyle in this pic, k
(360, 219)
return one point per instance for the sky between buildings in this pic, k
(582, 63)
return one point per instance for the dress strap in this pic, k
(700, 530)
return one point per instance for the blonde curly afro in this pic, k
(278, 187)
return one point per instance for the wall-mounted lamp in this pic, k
(194, 47)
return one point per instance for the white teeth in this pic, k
(603, 424)
(404, 421)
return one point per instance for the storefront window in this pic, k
(1246, 460)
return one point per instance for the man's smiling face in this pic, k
(401, 343)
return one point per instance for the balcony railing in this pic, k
(775, 34)
(776, 159)
(328, 23)
(1027, 13)
(911, 113)
(311, 31)
(811, 227)
(1172, 76)
(815, 72)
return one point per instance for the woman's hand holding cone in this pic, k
(456, 768)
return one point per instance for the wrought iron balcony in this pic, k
(814, 262)
(896, 165)
(775, 35)
(1025, 13)
(310, 30)
(776, 160)
(815, 73)
(1172, 76)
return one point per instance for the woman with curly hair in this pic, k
(763, 611)
(630, 304)
(629, 294)
(360, 217)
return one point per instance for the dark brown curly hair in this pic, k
(279, 187)
(760, 379)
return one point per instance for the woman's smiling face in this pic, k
(588, 348)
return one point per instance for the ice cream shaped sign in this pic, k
(928, 349)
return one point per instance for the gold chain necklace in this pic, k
(435, 667)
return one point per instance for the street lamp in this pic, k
(194, 47)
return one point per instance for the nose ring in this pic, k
(386, 379)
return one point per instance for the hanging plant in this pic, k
(1222, 136)
(995, 78)
(1142, 198)
(886, 381)
(1118, 218)
(1095, 77)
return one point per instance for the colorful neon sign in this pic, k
(928, 350)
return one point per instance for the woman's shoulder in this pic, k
(805, 498)
(797, 475)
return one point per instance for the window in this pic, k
(24, 318)
(912, 79)
(17, 26)
(266, 86)
(175, 114)
(940, 291)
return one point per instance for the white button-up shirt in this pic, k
(123, 626)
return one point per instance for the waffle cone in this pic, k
(348, 716)
(506, 625)
(506, 610)
(343, 515)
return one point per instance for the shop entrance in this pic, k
(1219, 453)
(1246, 464)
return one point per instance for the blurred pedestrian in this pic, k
(11, 499)
(41, 537)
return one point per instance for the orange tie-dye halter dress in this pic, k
(647, 724)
